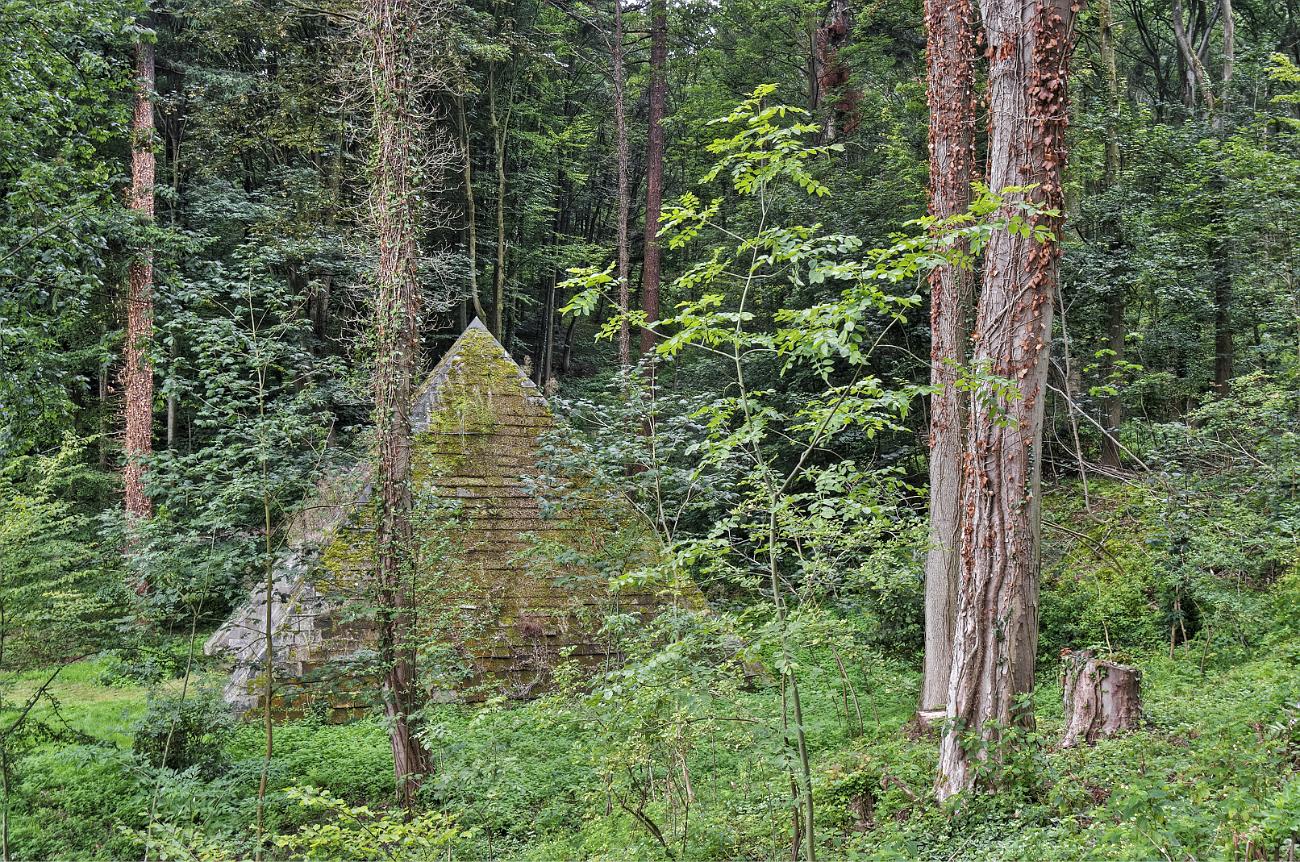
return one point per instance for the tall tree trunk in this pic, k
(654, 177)
(1229, 45)
(1197, 80)
(138, 370)
(951, 95)
(621, 147)
(500, 127)
(471, 226)
(1028, 46)
(1113, 405)
(1223, 348)
(831, 73)
(546, 323)
(391, 25)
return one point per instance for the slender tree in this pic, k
(1223, 245)
(389, 31)
(622, 157)
(500, 123)
(654, 178)
(1112, 405)
(138, 370)
(996, 635)
(950, 63)
(1194, 61)
(471, 227)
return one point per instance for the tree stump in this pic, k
(1102, 698)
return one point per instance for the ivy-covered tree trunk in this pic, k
(390, 27)
(996, 635)
(654, 177)
(951, 94)
(138, 370)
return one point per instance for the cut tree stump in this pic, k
(1102, 698)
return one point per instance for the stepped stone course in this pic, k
(509, 582)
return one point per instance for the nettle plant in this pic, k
(800, 518)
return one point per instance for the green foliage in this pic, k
(356, 832)
(775, 452)
(352, 761)
(183, 731)
(55, 599)
(62, 112)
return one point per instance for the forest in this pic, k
(649, 429)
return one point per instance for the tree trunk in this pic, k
(471, 226)
(499, 136)
(1229, 46)
(951, 95)
(1197, 81)
(1223, 348)
(138, 370)
(831, 73)
(1028, 46)
(1113, 405)
(620, 133)
(1102, 698)
(397, 295)
(654, 177)
(546, 323)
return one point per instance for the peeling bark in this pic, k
(1028, 48)
(951, 95)
(830, 74)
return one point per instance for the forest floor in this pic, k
(1212, 775)
(694, 768)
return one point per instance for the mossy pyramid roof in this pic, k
(509, 580)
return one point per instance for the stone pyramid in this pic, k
(509, 581)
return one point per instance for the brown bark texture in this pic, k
(390, 26)
(654, 177)
(1028, 50)
(138, 368)
(623, 159)
(1102, 698)
(830, 74)
(951, 94)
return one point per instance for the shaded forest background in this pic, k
(1172, 462)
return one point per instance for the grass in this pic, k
(1213, 775)
(82, 699)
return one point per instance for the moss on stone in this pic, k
(506, 586)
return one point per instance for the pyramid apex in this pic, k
(477, 324)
